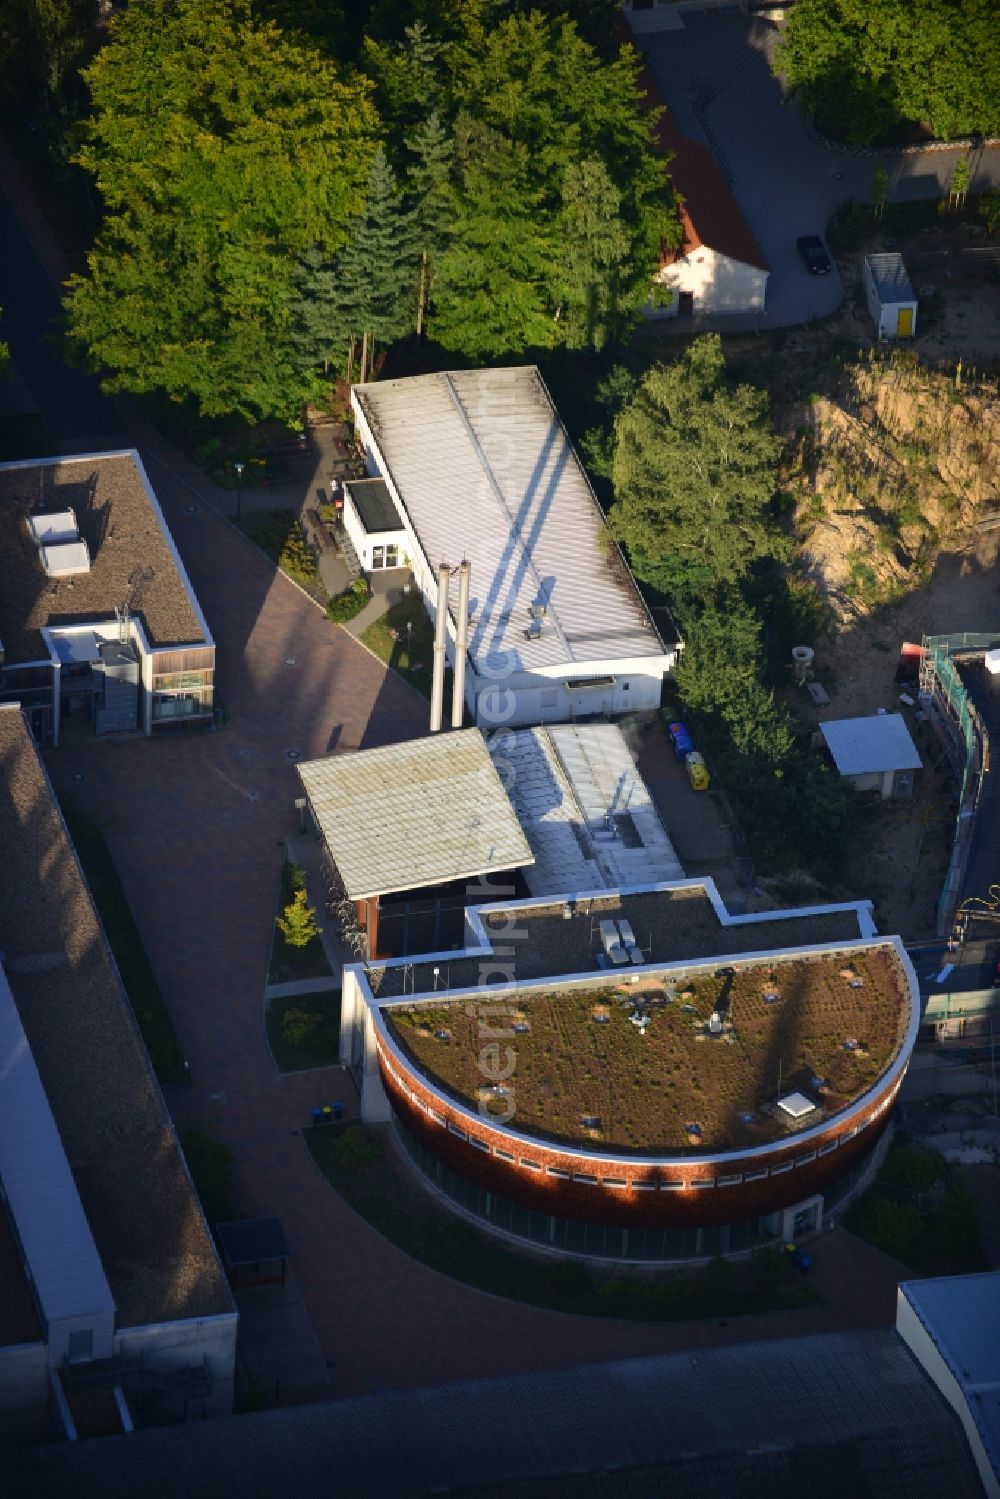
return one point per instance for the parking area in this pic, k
(698, 823)
(715, 76)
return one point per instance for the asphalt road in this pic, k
(79, 417)
(785, 182)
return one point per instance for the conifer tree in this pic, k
(429, 192)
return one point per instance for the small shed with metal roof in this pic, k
(413, 816)
(891, 300)
(876, 753)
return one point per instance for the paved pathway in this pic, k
(786, 183)
(302, 986)
(197, 825)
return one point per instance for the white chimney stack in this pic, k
(440, 648)
(461, 646)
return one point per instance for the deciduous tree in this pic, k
(869, 69)
(223, 152)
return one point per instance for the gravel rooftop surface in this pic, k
(669, 925)
(130, 559)
(584, 1071)
(121, 1147)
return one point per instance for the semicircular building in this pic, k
(637, 1073)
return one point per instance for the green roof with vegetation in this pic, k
(587, 1069)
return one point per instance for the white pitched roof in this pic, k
(484, 469)
(42, 1197)
(862, 746)
(585, 809)
(414, 814)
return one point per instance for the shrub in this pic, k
(349, 603)
(280, 534)
(299, 1028)
(354, 1149)
(296, 556)
(890, 1226)
(297, 922)
(912, 1166)
(210, 1163)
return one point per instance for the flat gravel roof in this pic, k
(120, 1143)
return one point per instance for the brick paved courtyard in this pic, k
(196, 825)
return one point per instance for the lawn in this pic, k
(312, 1041)
(364, 1167)
(123, 935)
(920, 1212)
(211, 1162)
(408, 651)
(279, 533)
(829, 1029)
(289, 963)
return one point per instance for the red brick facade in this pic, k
(670, 1192)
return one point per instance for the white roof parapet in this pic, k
(484, 469)
(413, 814)
(864, 746)
(55, 1238)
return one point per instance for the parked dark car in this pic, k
(813, 252)
(681, 739)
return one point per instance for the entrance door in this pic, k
(904, 322)
(805, 1220)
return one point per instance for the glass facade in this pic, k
(183, 694)
(598, 1240)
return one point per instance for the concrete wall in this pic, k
(928, 1355)
(635, 686)
(24, 1395)
(101, 1326)
(176, 1345)
(363, 543)
(716, 283)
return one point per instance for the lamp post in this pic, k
(239, 467)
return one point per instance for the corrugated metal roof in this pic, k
(891, 280)
(961, 1314)
(414, 814)
(41, 1194)
(864, 746)
(857, 1402)
(485, 470)
(585, 809)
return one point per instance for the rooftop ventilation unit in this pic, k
(796, 1105)
(61, 549)
(537, 611)
(534, 630)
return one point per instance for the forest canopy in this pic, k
(883, 71)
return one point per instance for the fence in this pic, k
(945, 695)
